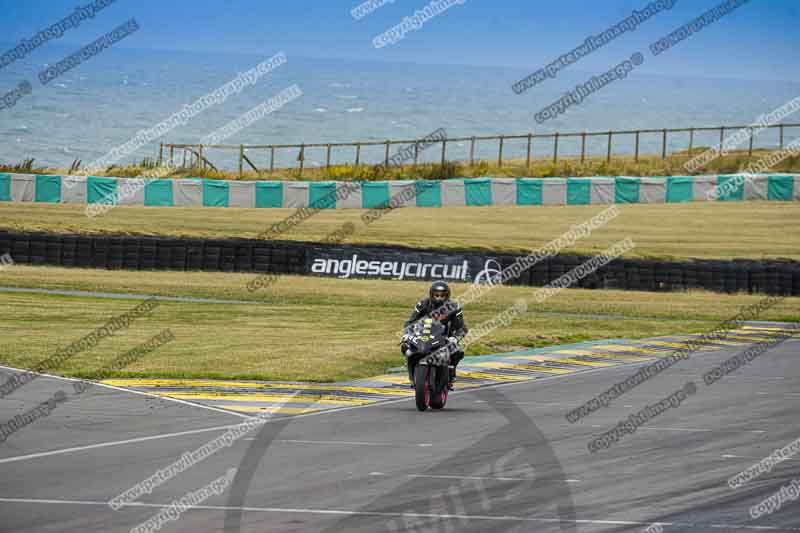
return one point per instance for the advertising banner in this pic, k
(396, 264)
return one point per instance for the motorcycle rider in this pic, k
(440, 307)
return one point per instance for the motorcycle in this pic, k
(427, 351)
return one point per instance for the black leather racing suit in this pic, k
(450, 313)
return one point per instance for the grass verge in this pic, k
(311, 329)
(718, 230)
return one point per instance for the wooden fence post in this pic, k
(160, 154)
(241, 160)
(171, 155)
(555, 148)
(386, 156)
(583, 147)
(500, 153)
(750, 149)
(358, 154)
(272, 158)
(608, 153)
(328, 157)
(472, 152)
(201, 160)
(781, 137)
(664, 143)
(444, 151)
(302, 158)
(636, 150)
(530, 143)
(691, 141)
(252, 165)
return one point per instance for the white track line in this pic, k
(531, 402)
(178, 434)
(705, 430)
(98, 384)
(732, 456)
(176, 400)
(695, 429)
(348, 443)
(343, 512)
(304, 415)
(112, 443)
(490, 478)
(430, 476)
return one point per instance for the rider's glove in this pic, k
(452, 340)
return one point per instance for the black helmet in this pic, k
(440, 292)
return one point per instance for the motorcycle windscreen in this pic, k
(433, 335)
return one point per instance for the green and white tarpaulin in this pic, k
(467, 192)
(158, 193)
(5, 187)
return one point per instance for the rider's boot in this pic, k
(454, 360)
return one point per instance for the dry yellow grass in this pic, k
(312, 328)
(721, 230)
(542, 165)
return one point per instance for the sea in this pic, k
(106, 100)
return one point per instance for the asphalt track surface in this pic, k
(502, 458)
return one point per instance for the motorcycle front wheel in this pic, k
(439, 395)
(422, 386)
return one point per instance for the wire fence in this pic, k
(612, 142)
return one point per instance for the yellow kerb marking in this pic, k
(494, 364)
(633, 348)
(189, 383)
(275, 398)
(546, 369)
(749, 337)
(581, 362)
(490, 376)
(609, 355)
(765, 328)
(670, 344)
(276, 410)
(617, 347)
(547, 359)
(399, 379)
(717, 341)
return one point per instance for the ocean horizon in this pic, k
(105, 101)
